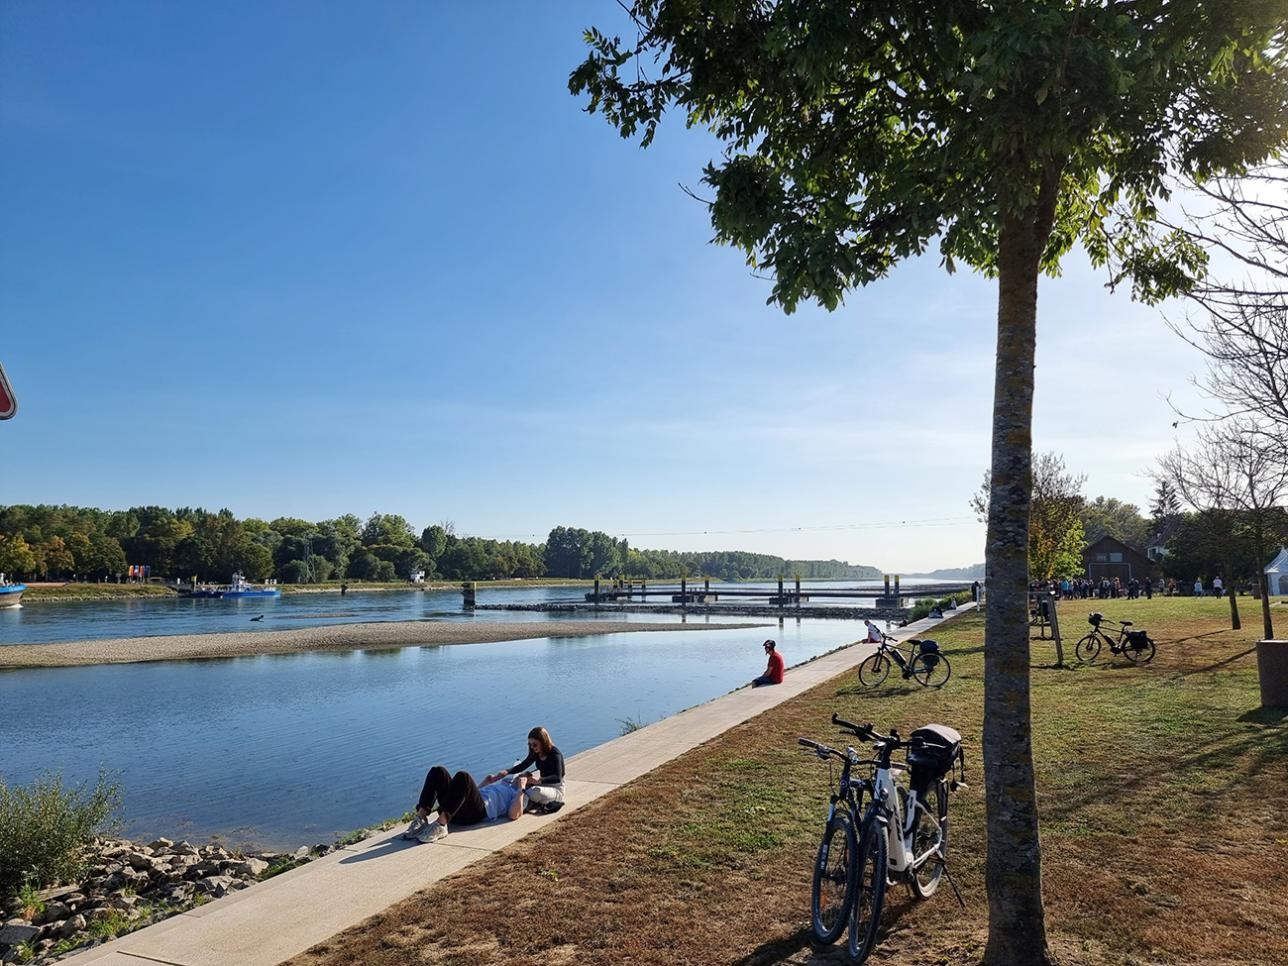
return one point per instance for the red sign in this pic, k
(8, 401)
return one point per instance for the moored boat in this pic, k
(240, 587)
(11, 594)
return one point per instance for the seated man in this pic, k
(874, 633)
(458, 798)
(773, 670)
(936, 613)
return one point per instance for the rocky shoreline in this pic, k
(129, 885)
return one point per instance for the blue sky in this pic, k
(316, 258)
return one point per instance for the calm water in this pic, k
(293, 749)
(42, 621)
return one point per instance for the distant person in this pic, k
(458, 798)
(1218, 586)
(936, 613)
(875, 636)
(1198, 586)
(773, 670)
(974, 591)
(549, 778)
(344, 589)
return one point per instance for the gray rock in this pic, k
(72, 926)
(216, 885)
(184, 848)
(161, 845)
(54, 911)
(248, 867)
(302, 852)
(17, 931)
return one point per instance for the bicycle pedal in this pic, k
(958, 785)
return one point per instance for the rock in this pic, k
(161, 845)
(123, 902)
(248, 867)
(72, 926)
(302, 852)
(216, 885)
(17, 931)
(185, 848)
(74, 899)
(140, 861)
(54, 911)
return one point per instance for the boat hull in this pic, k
(11, 594)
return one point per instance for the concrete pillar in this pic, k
(1272, 670)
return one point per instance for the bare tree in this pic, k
(1236, 476)
(1243, 329)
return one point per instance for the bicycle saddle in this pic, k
(1125, 623)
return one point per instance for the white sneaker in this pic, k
(416, 827)
(432, 832)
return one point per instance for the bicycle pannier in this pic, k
(1137, 640)
(930, 654)
(932, 752)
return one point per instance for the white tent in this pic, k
(1277, 573)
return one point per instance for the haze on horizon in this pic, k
(297, 263)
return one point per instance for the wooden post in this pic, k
(780, 592)
(1055, 634)
(896, 585)
(596, 590)
(684, 592)
(887, 585)
(469, 589)
(798, 593)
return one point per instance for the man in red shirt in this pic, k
(773, 670)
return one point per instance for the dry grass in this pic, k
(1164, 836)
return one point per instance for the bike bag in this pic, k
(929, 653)
(1137, 640)
(1095, 619)
(932, 752)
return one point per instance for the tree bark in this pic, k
(1267, 624)
(1013, 866)
(1235, 623)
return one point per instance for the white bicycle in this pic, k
(899, 835)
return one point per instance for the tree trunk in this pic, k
(1267, 625)
(1235, 623)
(1013, 866)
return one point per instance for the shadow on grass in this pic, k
(890, 691)
(1264, 716)
(777, 950)
(1219, 664)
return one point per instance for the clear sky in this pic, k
(308, 258)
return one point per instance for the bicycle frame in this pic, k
(900, 825)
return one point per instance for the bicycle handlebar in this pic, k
(866, 731)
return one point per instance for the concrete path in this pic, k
(274, 920)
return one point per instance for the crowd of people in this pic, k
(1081, 588)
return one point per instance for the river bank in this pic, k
(53, 592)
(339, 637)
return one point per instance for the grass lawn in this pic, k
(1162, 789)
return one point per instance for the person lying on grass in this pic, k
(546, 785)
(458, 798)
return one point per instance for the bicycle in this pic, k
(901, 835)
(925, 664)
(1136, 646)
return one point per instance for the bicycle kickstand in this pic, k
(948, 875)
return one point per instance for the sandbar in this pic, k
(335, 637)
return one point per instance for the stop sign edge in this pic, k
(6, 394)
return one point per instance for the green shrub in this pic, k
(46, 829)
(923, 607)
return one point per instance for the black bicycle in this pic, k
(924, 663)
(1136, 646)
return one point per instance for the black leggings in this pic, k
(455, 795)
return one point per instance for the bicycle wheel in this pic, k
(931, 823)
(1140, 654)
(931, 670)
(834, 876)
(1088, 648)
(873, 671)
(869, 889)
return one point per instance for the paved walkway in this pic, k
(274, 920)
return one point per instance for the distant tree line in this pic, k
(63, 542)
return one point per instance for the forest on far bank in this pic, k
(85, 543)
